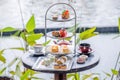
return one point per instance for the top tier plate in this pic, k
(61, 20)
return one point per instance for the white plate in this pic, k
(38, 65)
(49, 34)
(90, 52)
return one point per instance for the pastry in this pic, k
(56, 66)
(55, 48)
(55, 33)
(60, 61)
(63, 66)
(65, 14)
(65, 49)
(55, 17)
(81, 59)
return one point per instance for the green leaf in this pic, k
(16, 33)
(77, 76)
(46, 43)
(34, 37)
(2, 51)
(86, 76)
(8, 29)
(116, 36)
(12, 62)
(25, 75)
(96, 78)
(31, 43)
(2, 70)
(71, 75)
(72, 29)
(84, 37)
(18, 71)
(30, 26)
(12, 72)
(19, 48)
(37, 78)
(23, 35)
(68, 38)
(87, 34)
(114, 72)
(107, 74)
(119, 24)
(77, 40)
(2, 58)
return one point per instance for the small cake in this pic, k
(56, 66)
(84, 56)
(63, 66)
(81, 59)
(60, 61)
(55, 48)
(65, 14)
(65, 49)
(55, 17)
(55, 33)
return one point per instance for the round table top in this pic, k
(29, 60)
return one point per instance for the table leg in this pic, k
(60, 76)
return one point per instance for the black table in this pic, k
(29, 60)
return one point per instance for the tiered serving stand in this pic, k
(29, 60)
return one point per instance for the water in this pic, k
(89, 12)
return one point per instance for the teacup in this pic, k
(37, 48)
(85, 48)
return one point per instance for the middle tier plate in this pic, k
(69, 34)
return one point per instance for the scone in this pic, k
(65, 49)
(55, 48)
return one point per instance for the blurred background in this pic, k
(100, 13)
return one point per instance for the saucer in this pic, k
(90, 52)
(36, 54)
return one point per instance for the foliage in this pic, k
(86, 34)
(30, 37)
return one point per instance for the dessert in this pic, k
(56, 33)
(55, 17)
(84, 56)
(81, 59)
(56, 66)
(55, 48)
(65, 49)
(63, 33)
(65, 14)
(62, 66)
(60, 61)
